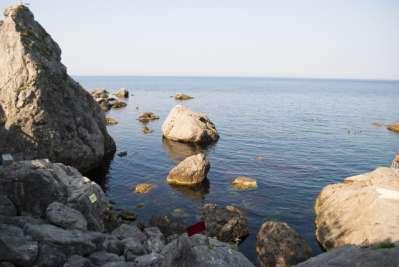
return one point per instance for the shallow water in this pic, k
(293, 135)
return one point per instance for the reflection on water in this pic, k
(178, 151)
(99, 175)
(195, 193)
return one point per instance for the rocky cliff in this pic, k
(44, 113)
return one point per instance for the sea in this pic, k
(294, 136)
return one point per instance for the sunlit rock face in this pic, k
(44, 113)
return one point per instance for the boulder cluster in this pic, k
(107, 101)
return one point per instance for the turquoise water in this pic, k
(293, 135)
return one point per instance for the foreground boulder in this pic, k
(277, 244)
(227, 224)
(362, 210)
(191, 171)
(33, 185)
(394, 127)
(44, 112)
(355, 256)
(184, 125)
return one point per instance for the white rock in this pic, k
(190, 171)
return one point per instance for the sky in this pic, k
(287, 38)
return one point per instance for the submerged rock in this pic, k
(122, 92)
(394, 127)
(147, 130)
(362, 210)
(190, 171)
(184, 125)
(244, 183)
(227, 224)
(33, 185)
(110, 121)
(277, 244)
(143, 188)
(147, 117)
(45, 113)
(122, 154)
(118, 104)
(181, 96)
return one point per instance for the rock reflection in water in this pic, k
(195, 193)
(178, 151)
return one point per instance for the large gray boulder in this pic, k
(349, 256)
(277, 244)
(33, 185)
(65, 217)
(228, 224)
(44, 113)
(362, 210)
(184, 125)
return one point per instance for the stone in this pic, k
(184, 125)
(7, 208)
(119, 264)
(227, 224)
(181, 96)
(65, 217)
(122, 92)
(394, 127)
(109, 121)
(277, 244)
(147, 130)
(20, 221)
(112, 244)
(6, 159)
(17, 248)
(133, 248)
(122, 154)
(191, 171)
(118, 104)
(50, 256)
(156, 240)
(168, 225)
(150, 260)
(45, 113)
(362, 210)
(142, 188)
(33, 185)
(244, 183)
(78, 261)
(129, 231)
(99, 258)
(100, 93)
(147, 117)
(355, 256)
(69, 241)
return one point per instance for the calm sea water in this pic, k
(293, 135)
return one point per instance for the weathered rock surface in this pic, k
(33, 185)
(147, 117)
(394, 127)
(277, 244)
(122, 92)
(191, 171)
(181, 96)
(227, 224)
(44, 112)
(129, 231)
(65, 217)
(78, 261)
(362, 210)
(184, 125)
(355, 256)
(244, 183)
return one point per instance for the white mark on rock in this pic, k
(388, 194)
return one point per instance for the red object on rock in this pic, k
(196, 228)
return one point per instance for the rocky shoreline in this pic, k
(51, 215)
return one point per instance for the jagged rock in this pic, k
(69, 241)
(201, 251)
(181, 96)
(184, 125)
(355, 256)
(133, 248)
(45, 113)
(122, 92)
(362, 210)
(110, 121)
(129, 231)
(34, 185)
(150, 260)
(191, 171)
(147, 117)
(7, 208)
(50, 256)
(244, 183)
(277, 244)
(113, 244)
(228, 224)
(100, 93)
(394, 127)
(168, 225)
(78, 261)
(156, 240)
(15, 247)
(99, 258)
(65, 217)
(143, 188)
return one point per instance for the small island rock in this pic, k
(394, 127)
(244, 183)
(143, 188)
(184, 125)
(122, 92)
(181, 96)
(147, 116)
(191, 171)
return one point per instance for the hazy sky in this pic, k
(297, 38)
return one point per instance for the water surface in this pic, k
(293, 135)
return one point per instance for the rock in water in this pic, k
(394, 127)
(45, 113)
(362, 210)
(184, 125)
(122, 92)
(181, 96)
(277, 244)
(244, 183)
(190, 171)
